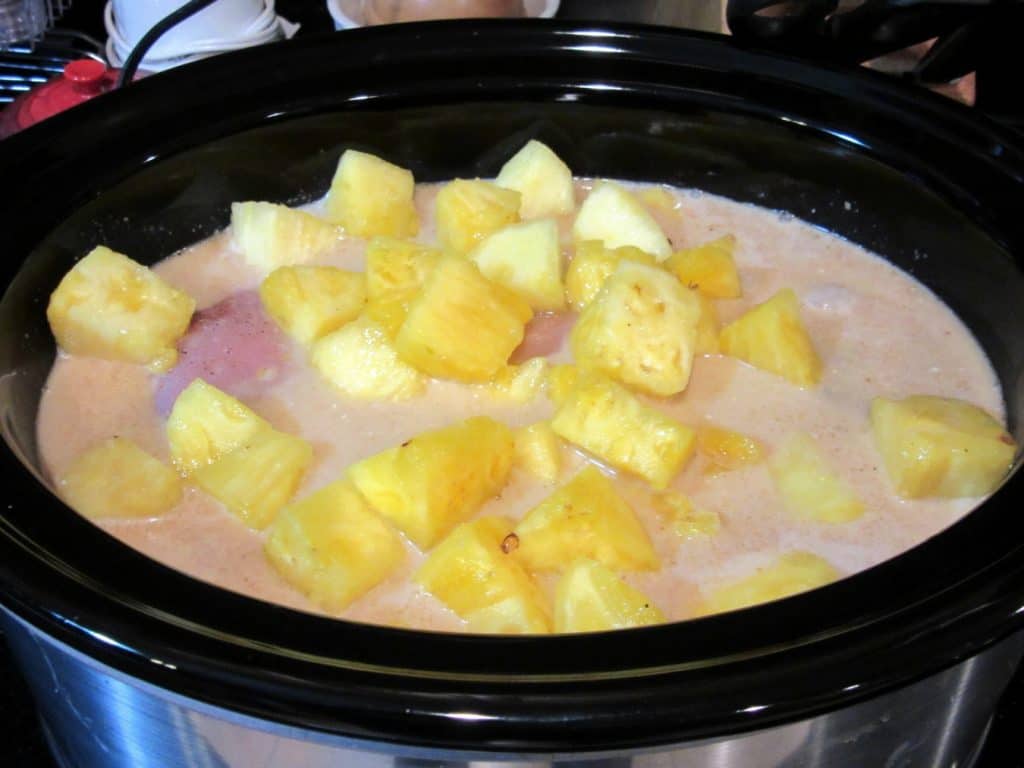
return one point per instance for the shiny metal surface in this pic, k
(97, 717)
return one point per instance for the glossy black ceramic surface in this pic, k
(155, 168)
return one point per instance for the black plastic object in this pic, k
(152, 168)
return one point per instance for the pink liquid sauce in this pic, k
(877, 331)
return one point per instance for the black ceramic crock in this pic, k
(152, 168)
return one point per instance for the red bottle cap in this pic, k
(82, 79)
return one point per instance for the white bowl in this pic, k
(346, 12)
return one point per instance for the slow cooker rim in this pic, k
(25, 598)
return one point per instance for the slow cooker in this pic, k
(134, 664)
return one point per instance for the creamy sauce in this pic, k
(877, 331)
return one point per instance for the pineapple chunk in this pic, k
(605, 419)
(472, 572)
(111, 307)
(525, 258)
(790, 574)
(360, 360)
(592, 264)
(658, 197)
(310, 302)
(467, 211)
(683, 518)
(810, 489)
(934, 446)
(641, 330)
(206, 423)
(256, 479)
(519, 383)
(561, 380)
(438, 479)
(586, 517)
(116, 478)
(332, 546)
(538, 450)
(462, 326)
(592, 598)
(614, 216)
(708, 268)
(269, 235)
(771, 336)
(396, 269)
(707, 327)
(728, 450)
(543, 180)
(370, 196)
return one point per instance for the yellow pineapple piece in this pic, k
(527, 259)
(438, 479)
(708, 268)
(586, 517)
(771, 336)
(111, 307)
(116, 478)
(604, 418)
(310, 302)
(255, 480)
(206, 423)
(387, 313)
(461, 326)
(790, 574)
(810, 489)
(360, 360)
(658, 197)
(561, 380)
(543, 180)
(683, 518)
(269, 235)
(641, 329)
(370, 196)
(396, 269)
(467, 211)
(935, 446)
(592, 264)
(614, 216)
(538, 450)
(474, 573)
(728, 450)
(519, 383)
(590, 597)
(332, 546)
(707, 327)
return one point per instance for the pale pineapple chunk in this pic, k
(727, 450)
(461, 326)
(109, 306)
(590, 597)
(396, 269)
(438, 479)
(116, 478)
(935, 446)
(332, 546)
(810, 489)
(269, 235)
(592, 264)
(543, 180)
(206, 423)
(370, 196)
(790, 574)
(255, 480)
(685, 520)
(586, 517)
(525, 258)
(561, 380)
(360, 360)
(519, 383)
(604, 418)
(707, 328)
(614, 216)
(708, 268)
(641, 330)
(772, 336)
(466, 211)
(474, 574)
(310, 302)
(538, 450)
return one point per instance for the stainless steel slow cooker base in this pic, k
(97, 716)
